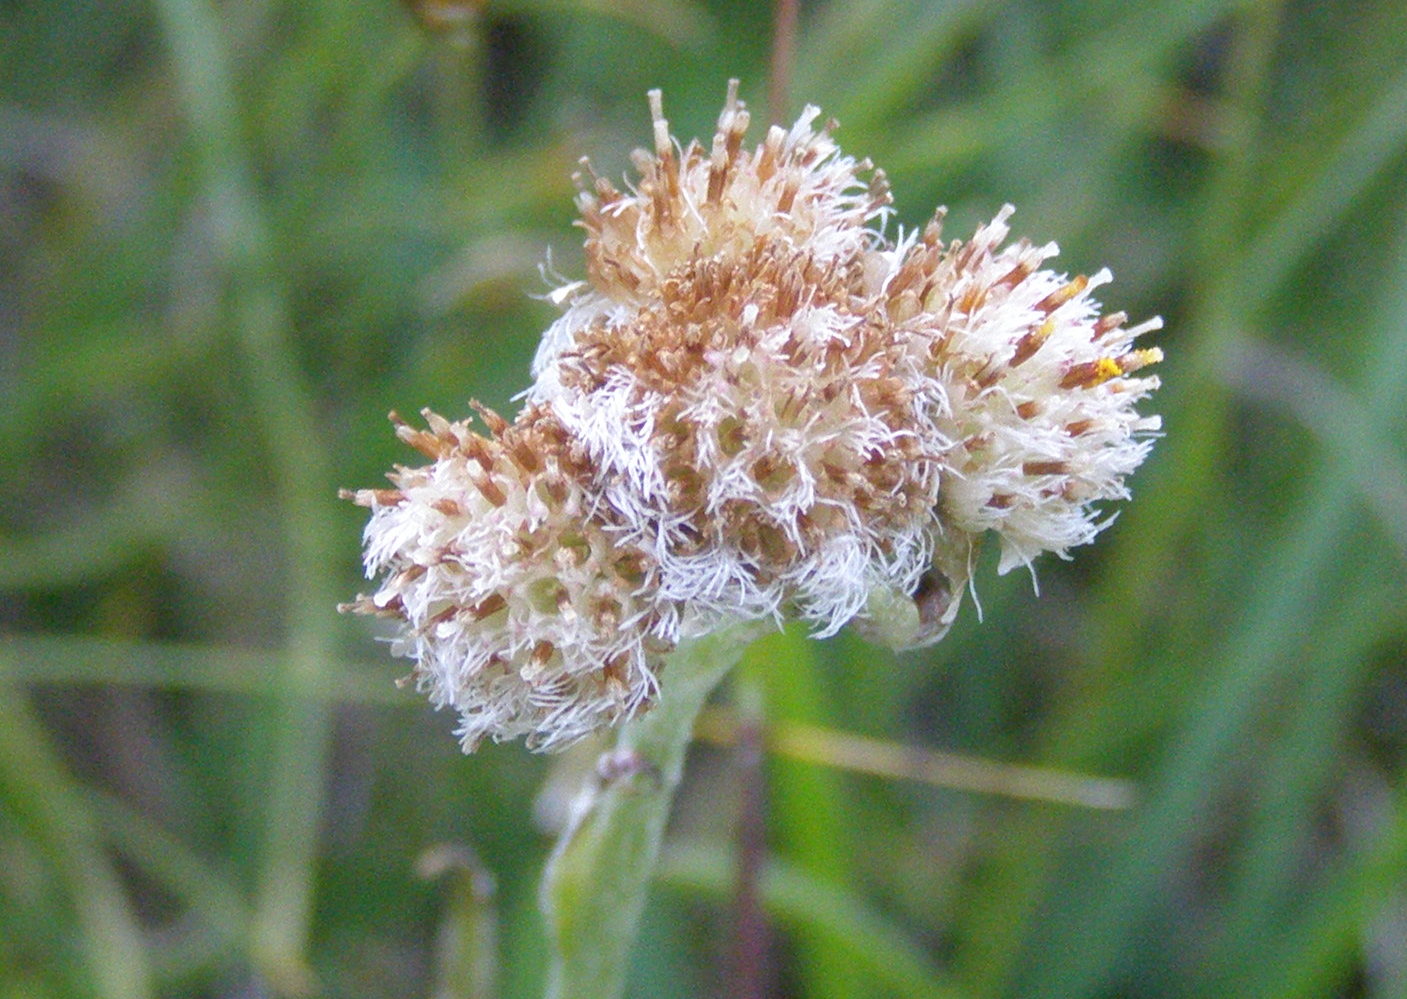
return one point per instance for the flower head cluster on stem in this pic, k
(755, 406)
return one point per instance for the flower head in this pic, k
(756, 406)
(518, 602)
(1038, 418)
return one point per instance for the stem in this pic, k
(593, 889)
(467, 950)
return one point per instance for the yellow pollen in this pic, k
(1106, 368)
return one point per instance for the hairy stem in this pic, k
(593, 890)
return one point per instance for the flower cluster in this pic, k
(756, 406)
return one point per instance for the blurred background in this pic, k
(233, 236)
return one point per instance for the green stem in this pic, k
(593, 890)
(466, 958)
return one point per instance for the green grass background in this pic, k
(232, 237)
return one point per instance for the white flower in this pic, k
(757, 406)
(727, 378)
(522, 609)
(1039, 413)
